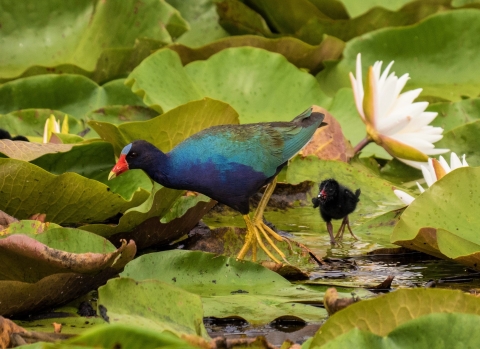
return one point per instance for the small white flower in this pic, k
(392, 119)
(435, 170)
(53, 126)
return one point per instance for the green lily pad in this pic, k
(177, 310)
(80, 95)
(67, 198)
(442, 220)
(156, 205)
(31, 122)
(230, 288)
(167, 130)
(464, 140)
(36, 266)
(297, 52)
(92, 160)
(384, 314)
(377, 18)
(454, 114)
(128, 336)
(251, 80)
(97, 39)
(357, 8)
(445, 76)
(239, 19)
(203, 20)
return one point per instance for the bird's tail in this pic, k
(310, 117)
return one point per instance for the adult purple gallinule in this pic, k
(336, 202)
(228, 163)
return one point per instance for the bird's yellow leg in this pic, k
(258, 217)
(248, 239)
(251, 240)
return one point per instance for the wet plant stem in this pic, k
(361, 144)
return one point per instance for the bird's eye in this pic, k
(132, 155)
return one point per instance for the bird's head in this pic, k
(136, 155)
(327, 190)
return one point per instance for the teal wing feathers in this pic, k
(262, 146)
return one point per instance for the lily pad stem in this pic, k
(361, 144)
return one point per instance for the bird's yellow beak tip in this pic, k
(111, 175)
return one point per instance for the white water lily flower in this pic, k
(53, 126)
(435, 170)
(393, 120)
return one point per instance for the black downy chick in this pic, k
(6, 135)
(336, 202)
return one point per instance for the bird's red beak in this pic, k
(322, 194)
(120, 167)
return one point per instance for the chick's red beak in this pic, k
(322, 194)
(120, 167)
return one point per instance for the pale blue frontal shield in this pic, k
(126, 149)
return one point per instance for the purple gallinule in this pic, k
(336, 202)
(228, 163)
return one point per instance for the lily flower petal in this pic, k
(407, 199)
(393, 120)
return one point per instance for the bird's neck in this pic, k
(157, 167)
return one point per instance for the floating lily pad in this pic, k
(446, 76)
(36, 266)
(31, 122)
(454, 114)
(251, 80)
(464, 140)
(376, 18)
(79, 96)
(239, 19)
(357, 8)
(91, 160)
(443, 220)
(422, 333)
(202, 19)
(67, 198)
(297, 52)
(128, 336)
(167, 130)
(230, 288)
(384, 314)
(127, 301)
(94, 38)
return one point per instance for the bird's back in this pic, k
(230, 163)
(262, 146)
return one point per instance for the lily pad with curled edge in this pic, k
(91, 160)
(297, 52)
(443, 220)
(453, 330)
(251, 80)
(231, 288)
(66, 198)
(39, 270)
(382, 315)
